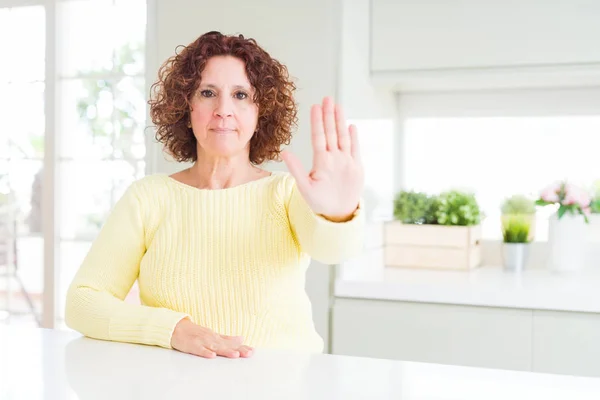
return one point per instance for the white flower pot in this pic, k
(515, 256)
(567, 240)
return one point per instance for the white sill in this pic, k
(487, 286)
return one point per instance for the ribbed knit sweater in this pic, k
(232, 260)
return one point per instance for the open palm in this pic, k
(334, 185)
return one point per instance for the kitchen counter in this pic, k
(490, 286)
(49, 364)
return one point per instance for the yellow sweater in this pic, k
(232, 260)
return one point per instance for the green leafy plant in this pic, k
(411, 207)
(431, 214)
(595, 206)
(518, 204)
(455, 207)
(595, 203)
(516, 229)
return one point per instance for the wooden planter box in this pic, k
(432, 246)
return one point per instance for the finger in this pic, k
(329, 123)
(354, 145)
(317, 129)
(297, 170)
(224, 348)
(246, 351)
(228, 352)
(203, 352)
(342, 129)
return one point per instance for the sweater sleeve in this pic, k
(95, 303)
(325, 241)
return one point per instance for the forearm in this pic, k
(100, 315)
(325, 240)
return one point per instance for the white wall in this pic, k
(303, 35)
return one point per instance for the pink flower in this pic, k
(576, 195)
(550, 194)
(587, 211)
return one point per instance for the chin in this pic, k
(225, 151)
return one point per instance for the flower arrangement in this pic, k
(570, 199)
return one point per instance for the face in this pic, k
(223, 114)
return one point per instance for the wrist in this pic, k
(180, 328)
(344, 217)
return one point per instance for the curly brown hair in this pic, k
(179, 79)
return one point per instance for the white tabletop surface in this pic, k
(46, 364)
(539, 289)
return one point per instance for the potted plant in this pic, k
(516, 239)
(412, 207)
(457, 208)
(568, 225)
(521, 206)
(434, 231)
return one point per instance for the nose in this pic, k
(224, 107)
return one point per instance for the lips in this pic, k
(223, 130)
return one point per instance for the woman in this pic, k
(220, 249)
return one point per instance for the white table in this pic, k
(36, 364)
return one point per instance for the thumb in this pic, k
(296, 169)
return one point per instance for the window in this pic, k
(377, 143)
(22, 85)
(499, 156)
(100, 118)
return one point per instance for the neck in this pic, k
(222, 172)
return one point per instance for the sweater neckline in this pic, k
(185, 186)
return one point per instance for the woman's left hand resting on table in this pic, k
(333, 187)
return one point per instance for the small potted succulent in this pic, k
(521, 206)
(516, 241)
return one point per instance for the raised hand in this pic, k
(203, 342)
(334, 185)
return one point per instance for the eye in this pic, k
(207, 93)
(241, 95)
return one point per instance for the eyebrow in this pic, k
(237, 87)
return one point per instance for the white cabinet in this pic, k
(484, 44)
(490, 337)
(446, 334)
(432, 34)
(566, 343)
